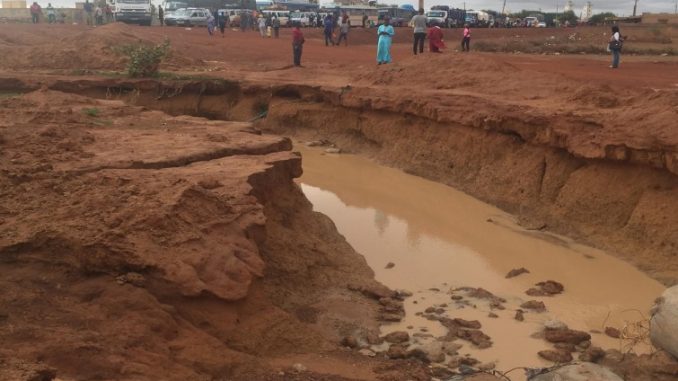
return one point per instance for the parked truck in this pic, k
(445, 16)
(132, 11)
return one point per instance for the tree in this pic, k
(568, 17)
(599, 18)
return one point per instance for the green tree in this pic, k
(568, 17)
(599, 18)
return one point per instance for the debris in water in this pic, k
(516, 272)
(519, 315)
(547, 288)
(390, 265)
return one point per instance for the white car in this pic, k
(300, 17)
(541, 25)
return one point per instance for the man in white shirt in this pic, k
(419, 23)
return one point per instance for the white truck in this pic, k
(132, 11)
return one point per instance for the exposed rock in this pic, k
(391, 305)
(519, 315)
(566, 336)
(397, 337)
(442, 372)
(430, 310)
(390, 265)
(592, 354)
(397, 352)
(333, 150)
(492, 315)
(468, 360)
(664, 321)
(456, 297)
(515, 272)
(390, 317)
(373, 339)
(578, 372)
(299, 367)
(547, 288)
(487, 366)
(473, 324)
(534, 305)
(374, 291)
(481, 293)
(367, 352)
(349, 341)
(565, 347)
(402, 294)
(135, 279)
(431, 352)
(554, 325)
(613, 332)
(557, 356)
(476, 337)
(581, 347)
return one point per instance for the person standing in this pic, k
(221, 20)
(276, 27)
(210, 23)
(87, 7)
(419, 23)
(616, 42)
(51, 14)
(98, 15)
(385, 33)
(262, 26)
(343, 31)
(108, 14)
(435, 39)
(328, 23)
(35, 12)
(161, 15)
(297, 43)
(364, 19)
(466, 40)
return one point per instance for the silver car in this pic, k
(191, 17)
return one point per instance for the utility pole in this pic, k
(635, 6)
(503, 8)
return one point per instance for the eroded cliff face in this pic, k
(582, 160)
(136, 245)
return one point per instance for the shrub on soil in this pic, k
(145, 60)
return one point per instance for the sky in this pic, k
(619, 7)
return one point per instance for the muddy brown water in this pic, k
(440, 239)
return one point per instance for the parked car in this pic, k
(192, 17)
(171, 16)
(302, 18)
(541, 25)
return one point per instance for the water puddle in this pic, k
(441, 239)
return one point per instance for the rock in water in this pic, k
(578, 372)
(534, 305)
(664, 322)
(397, 337)
(516, 272)
(612, 332)
(554, 325)
(566, 336)
(557, 356)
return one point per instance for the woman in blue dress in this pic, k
(385, 33)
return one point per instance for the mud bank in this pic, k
(611, 196)
(578, 170)
(137, 245)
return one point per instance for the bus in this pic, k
(399, 16)
(355, 13)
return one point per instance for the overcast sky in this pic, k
(620, 7)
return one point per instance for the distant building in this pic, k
(659, 18)
(14, 4)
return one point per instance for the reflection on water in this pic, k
(439, 238)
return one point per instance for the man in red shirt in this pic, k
(35, 12)
(297, 44)
(435, 39)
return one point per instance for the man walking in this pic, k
(161, 15)
(419, 22)
(88, 13)
(51, 14)
(276, 27)
(328, 23)
(343, 31)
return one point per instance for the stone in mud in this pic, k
(475, 336)
(469, 361)
(578, 372)
(473, 324)
(442, 372)
(333, 150)
(390, 317)
(515, 272)
(556, 356)
(565, 347)
(397, 337)
(317, 143)
(584, 345)
(299, 367)
(451, 349)
(433, 351)
(497, 306)
(612, 332)
(487, 366)
(367, 352)
(456, 297)
(430, 310)
(535, 305)
(376, 292)
(592, 354)
(481, 293)
(492, 315)
(566, 336)
(554, 325)
(547, 288)
(373, 339)
(402, 294)
(664, 321)
(349, 341)
(439, 311)
(391, 305)
(389, 265)
(135, 279)
(396, 352)
(519, 315)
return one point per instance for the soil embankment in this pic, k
(137, 245)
